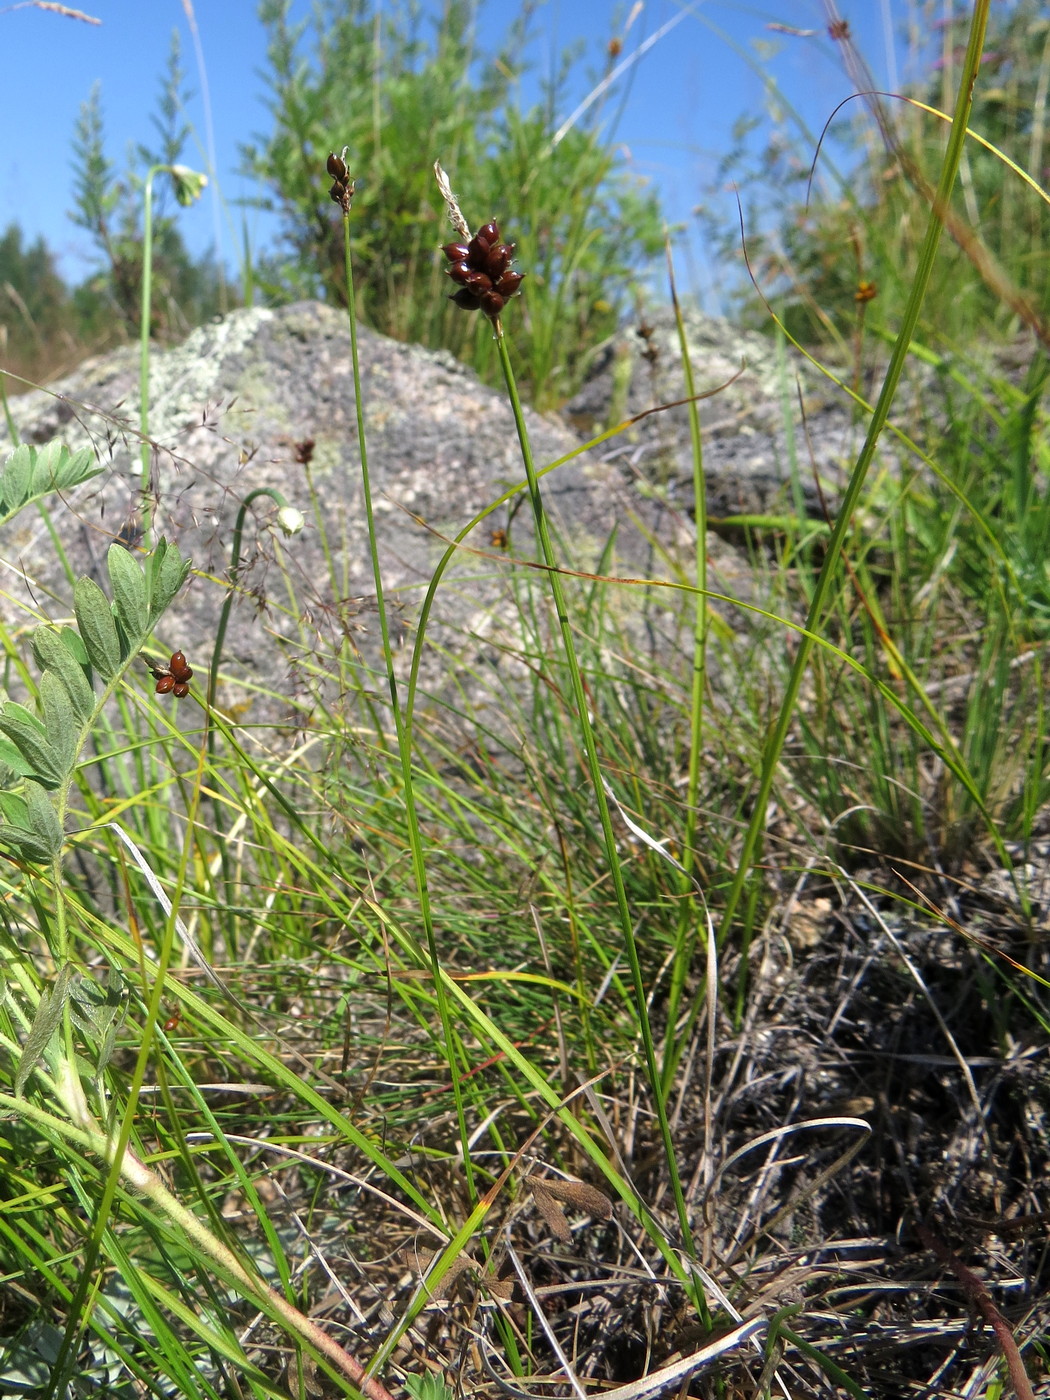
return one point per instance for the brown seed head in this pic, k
(481, 266)
(342, 190)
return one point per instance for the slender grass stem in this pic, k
(188, 186)
(775, 743)
(415, 837)
(597, 781)
(145, 484)
(690, 919)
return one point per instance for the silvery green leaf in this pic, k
(168, 578)
(53, 654)
(29, 737)
(47, 463)
(97, 627)
(129, 593)
(13, 809)
(63, 731)
(25, 844)
(45, 1023)
(18, 714)
(74, 643)
(43, 819)
(79, 467)
(32, 472)
(153, 565)
(16, 477)
(11, 758)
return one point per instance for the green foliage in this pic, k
(582, 225)
(186, 290)
(920, 727)
(44, 749)
(34, 307)
(31, 473)
(427, 1387)
(811, 249)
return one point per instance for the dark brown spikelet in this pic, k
(482, 269)
(342, 190)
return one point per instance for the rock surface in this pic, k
(759, 458)
(265, 399)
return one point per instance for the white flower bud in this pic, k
(290, 520)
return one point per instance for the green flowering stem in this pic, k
(345, 188)
(688, 922)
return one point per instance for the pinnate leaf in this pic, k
(53, 654)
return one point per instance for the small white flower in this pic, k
(189, 184)
(290, 520)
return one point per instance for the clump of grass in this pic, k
(450, 989)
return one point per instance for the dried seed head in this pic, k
(551, 1211)
(342, 191)
(580, 1196)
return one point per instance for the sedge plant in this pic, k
(342, 192)
(480, 266)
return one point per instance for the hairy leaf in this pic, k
(53, 654)
(63, 731)
(11, 758)
(43, 819)
(97, 627)
(13, 809)
(129, 594)
(168, 575)
(45, 1023)
(16, 477)
(46, 763)
(25, 843)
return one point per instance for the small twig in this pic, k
(981, 1299)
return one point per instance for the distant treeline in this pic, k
(48, 327)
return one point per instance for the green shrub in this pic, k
(583, 226)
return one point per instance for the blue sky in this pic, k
(683, 98)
